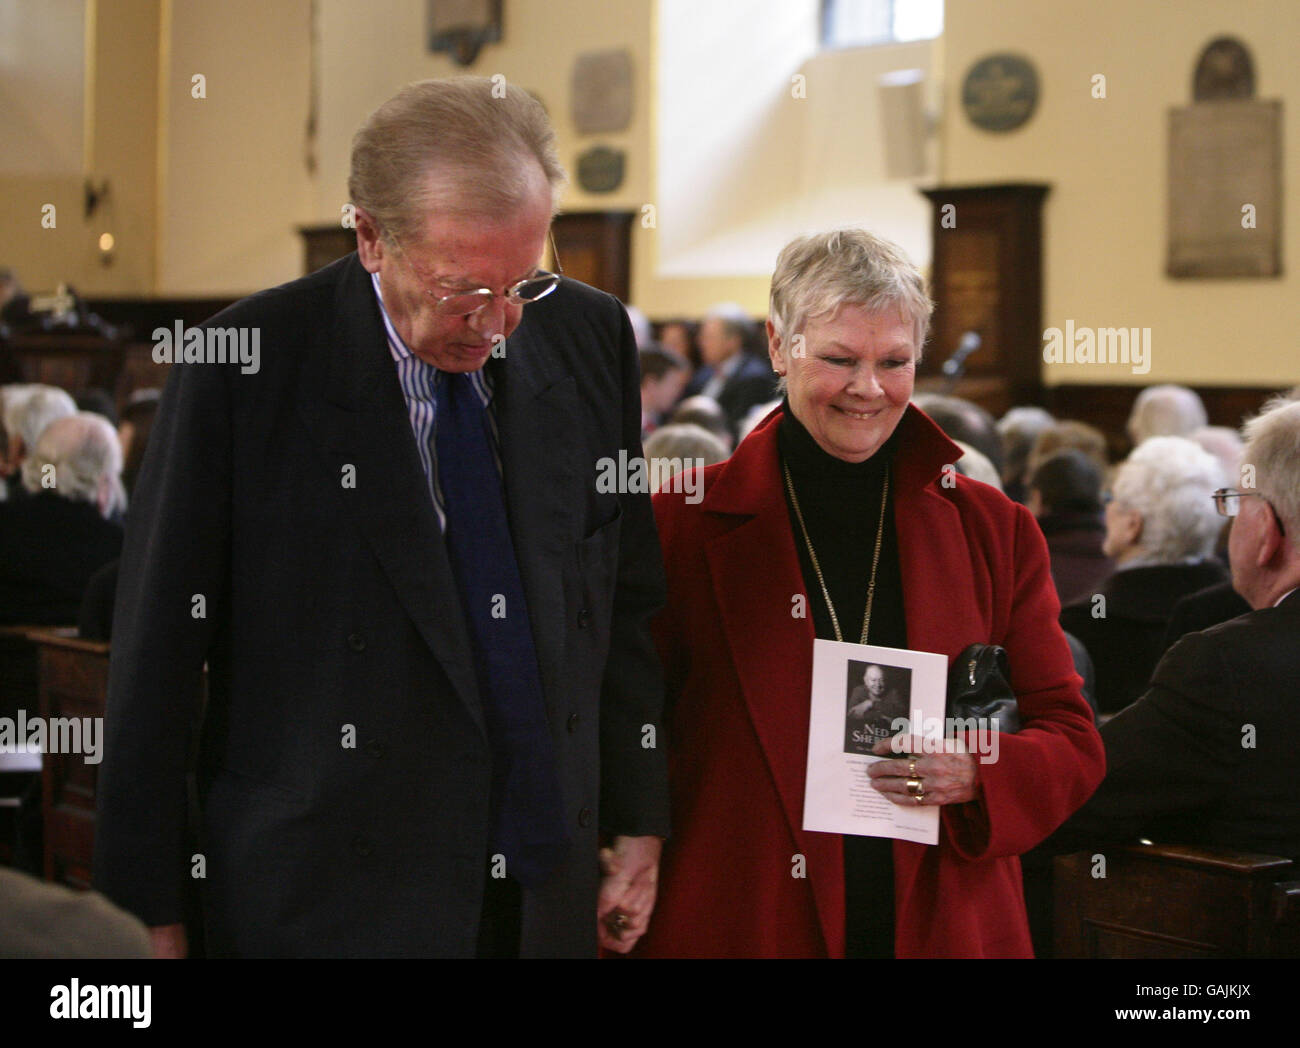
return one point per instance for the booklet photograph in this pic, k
(862, 693)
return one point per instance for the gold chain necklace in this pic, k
(812, 555)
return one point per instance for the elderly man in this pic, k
(729, 374)
(432, 695)
(1207, 755)
(1165, 411)
(55, 538)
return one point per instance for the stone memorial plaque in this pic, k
(1225, 189)
(602, 91)
(600, 169)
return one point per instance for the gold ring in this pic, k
(911, 768)
(618, 922)
(919, 798)
(916, 787)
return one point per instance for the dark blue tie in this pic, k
(527, 811)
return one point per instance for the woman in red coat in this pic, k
(844, 509)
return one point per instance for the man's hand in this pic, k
(627, 892)
(169, 943)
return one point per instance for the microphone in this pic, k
(956, 364)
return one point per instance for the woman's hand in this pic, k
(915, 776)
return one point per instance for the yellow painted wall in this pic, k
(235, 185)
(118, 48)
(1105, 230)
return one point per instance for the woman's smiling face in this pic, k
(851, 378)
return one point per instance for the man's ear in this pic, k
(1271, 544)
(370, 244)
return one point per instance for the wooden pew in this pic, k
(73, 676)
(1175, 901)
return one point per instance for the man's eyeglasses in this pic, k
(1225, 501)
(466, 303)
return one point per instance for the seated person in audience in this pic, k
(1019, 428)
(1070, 433)
(1065, 497)
(736, 379)
(756, 415)
(976, 465)
(53, 541)
(1160, 529)
(679, 336)
(50, 922)
(704, 412)
(133, 431)
(1165, 411)
(680, 446)
(1207, 755)
(964, 421)
(28, 409)
(100, 401)
(1203, 609)
(663, 377)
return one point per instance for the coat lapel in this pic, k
(354, 409)
(755, 571)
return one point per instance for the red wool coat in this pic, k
(739, 668)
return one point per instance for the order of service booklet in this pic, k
(862, 693)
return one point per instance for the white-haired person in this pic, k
(841, 496)
(1181, 767)
(55, 538)
(27, 410)
(1161, 529)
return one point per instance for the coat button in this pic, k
(573, 722)
(584, 817)
(375, 748)
(356, 642)
(362, 846)
(584, 618)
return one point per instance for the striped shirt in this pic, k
(419, 381)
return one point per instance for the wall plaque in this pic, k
(1225, 173)
(602, 91)
(600, 169)
(1000, 92)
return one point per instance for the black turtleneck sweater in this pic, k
(840, 502)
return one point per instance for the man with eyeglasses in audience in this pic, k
(433, 701)
(1207, 755)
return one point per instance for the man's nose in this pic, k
(491, 319)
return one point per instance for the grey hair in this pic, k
(474, 129)
(817, 274)
(1273, 448)
(675, 447)
(86, 457)
(1165, 411)
(29, 409)
(1169, 480)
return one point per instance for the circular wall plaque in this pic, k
(600, 169)
(1000, 92)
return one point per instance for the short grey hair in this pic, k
(477, 131)
(1273, 448)
(673, 448)
(1165, 411)
(29, 409)
(1169, 480)
(817, 274)
(87, 459)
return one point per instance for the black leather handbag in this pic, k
(979, 687)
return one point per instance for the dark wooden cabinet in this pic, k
(595, 247)
(987, 277)
(324, 243)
